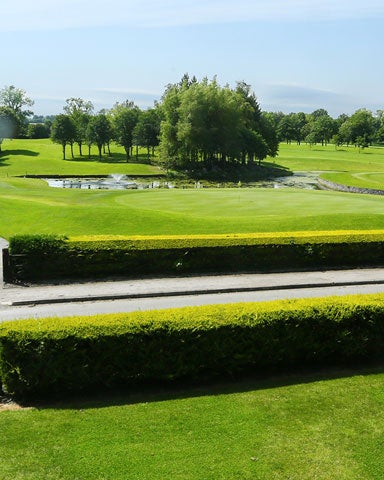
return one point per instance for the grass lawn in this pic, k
(345, 165)
(298, 427)
(42, 157)
(30, 206)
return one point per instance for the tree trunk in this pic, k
(80, 150)
(100, 147)
(63, 151)
(72, 151)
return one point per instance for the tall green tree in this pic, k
(323, 128)
(63, 131)
(359, 128)
(99, 131)
(80, 112)
(147, 130)
(124, 117)
(209, 124)
(16, 99)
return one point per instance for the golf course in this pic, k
(324, 424)
(29, 205)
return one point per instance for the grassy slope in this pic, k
(298, 427)
(30, 206)
(345, 165)
(39, 157)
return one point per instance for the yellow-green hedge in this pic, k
(77, 354)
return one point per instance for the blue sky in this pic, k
(298, 55)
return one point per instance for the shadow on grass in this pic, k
(26, 153)
(236, 172)
(158, 392)
(112, 158)
(6, 154)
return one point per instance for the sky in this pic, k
(297, 55)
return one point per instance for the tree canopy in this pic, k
(16, 99)
(209, 125)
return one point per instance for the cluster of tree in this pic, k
(362, 128)
(206, 124)
(196, 124)
(124, 124)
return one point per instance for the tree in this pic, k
(63, 131)
(323, 127)
(147, 130)
(38, 130)
(124, 117)
(16, 99)
(99, 131)
(80, 112)
(213, 125)
(359, 126)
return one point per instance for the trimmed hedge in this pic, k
(81, 353)
(49, 257)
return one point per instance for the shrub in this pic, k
(83, 353)
(47, 257)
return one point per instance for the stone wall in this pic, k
(327, 185)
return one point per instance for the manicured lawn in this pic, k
(30, 206)
(305, 427)
(42, 157)
(345, 165)
(328, 159)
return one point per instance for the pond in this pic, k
(303, 180)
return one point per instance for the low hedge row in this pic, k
(83, 353)
(42, 257)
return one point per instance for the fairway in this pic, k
(30, 206)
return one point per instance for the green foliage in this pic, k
(36, 244)
(209, 125)
(15, 99)
(124, 118)
(63, 131)
(38, 130)
(81, 353)
(99, 131)
(37, 258)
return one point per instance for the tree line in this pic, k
(196, 124)
(362, 128)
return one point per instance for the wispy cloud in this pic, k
(292, 97)
(64, 14)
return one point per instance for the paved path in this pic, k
(96, 307)
(177, 286)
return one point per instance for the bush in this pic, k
(82, 353)
(49, 257)
(37, 244)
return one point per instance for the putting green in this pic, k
(30, 206)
